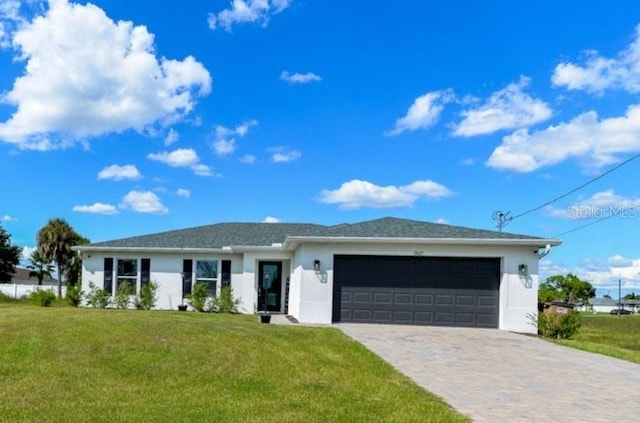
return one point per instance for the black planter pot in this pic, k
(182, 308)
(265, 318)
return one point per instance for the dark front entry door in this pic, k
(270, 285)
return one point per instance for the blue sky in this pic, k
(128, 118)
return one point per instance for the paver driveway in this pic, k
(496, 376)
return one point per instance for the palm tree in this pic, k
(55, 240)
(74, 268)
(40, 267)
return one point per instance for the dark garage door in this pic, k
(444, 291)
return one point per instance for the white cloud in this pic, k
(299, 78)
(595, 143)
(86, 75)
(248, 159)
(9, 19)
(26, 252)
(442, 221)
(182, 157)
(284, 155)
(602, 274)
(469, 161)
(7, 218)
(143, 202)
(507, 108)
(599, 73)
(357, 193)
(225, 141)
(423, 113)
(203, 170)
(247, 11)
(224, 147)
(600, 205)
(271, 219)
(10, 10)
(118, 173)
(172, 137)
(185, 193)
(619, 261)
(96, 208)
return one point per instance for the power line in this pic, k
(582, 227)
(504, 219)
(560, 197)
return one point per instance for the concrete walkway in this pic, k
(496, 376)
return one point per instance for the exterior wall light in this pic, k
(316, 265)
(523, 270)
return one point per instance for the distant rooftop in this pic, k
(21, 276)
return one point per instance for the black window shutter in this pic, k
(187, 271)
(145, 273)
(108, 275)
(226, 273)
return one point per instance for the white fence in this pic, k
(16, 290)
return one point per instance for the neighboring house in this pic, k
(605, 305)
(633, 305)
(21, 277)
(387, 270)
(21, 285)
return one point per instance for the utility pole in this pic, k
(619, 297)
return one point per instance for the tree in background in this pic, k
(40, 267)
(569, 288)
(9, 256)
(74, 270)
(55, 240)
(632, 296)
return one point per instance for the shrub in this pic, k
(559, 326)
(198, 297)
(123, 295)
(98, 297)
(43, 297)
(147, 298)
(4, 298)
(74, 295)
(224, 303)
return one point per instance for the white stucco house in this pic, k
(386, 270)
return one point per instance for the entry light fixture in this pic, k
(523, 270)
(316, 265)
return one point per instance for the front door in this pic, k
(270, 285)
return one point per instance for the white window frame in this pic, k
(134, 281)
(211, 281)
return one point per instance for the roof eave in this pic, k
(256, 248)
(113, 249)
(292, 242)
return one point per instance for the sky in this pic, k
(128, 118)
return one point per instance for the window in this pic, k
(207, 272)
(127, 272)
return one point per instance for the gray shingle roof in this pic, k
(265, 234)
(218, 236)
(391, 227)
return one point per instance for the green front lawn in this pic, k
(81, 365)
(616, 336)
